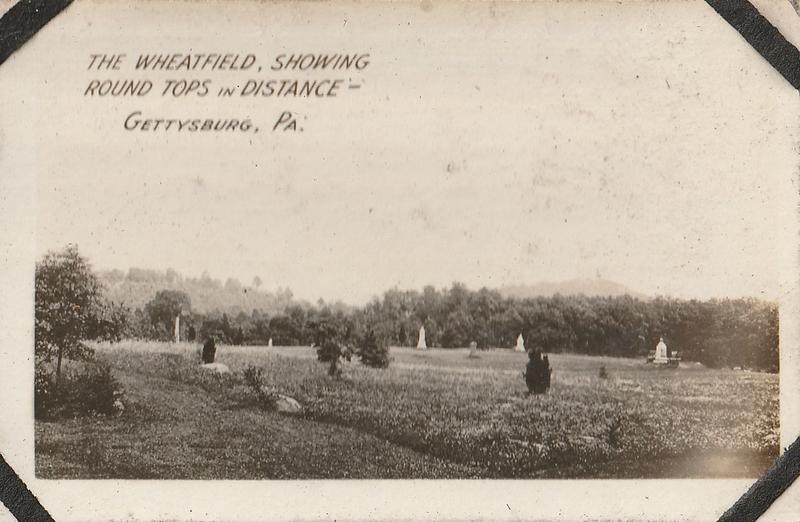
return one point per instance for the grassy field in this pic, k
(431, 414)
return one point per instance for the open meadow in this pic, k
(432, 414)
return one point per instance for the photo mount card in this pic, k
(397, 261)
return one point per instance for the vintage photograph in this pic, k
(410, 254)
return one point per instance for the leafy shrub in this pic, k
(373, 353)
(253, 375)
(164, 307)
(67, 299)
(98, 390)
(109, 323)
(88, 390)
(327, 351)
(331, 335)
(254, 378)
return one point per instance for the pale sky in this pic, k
(647, 144)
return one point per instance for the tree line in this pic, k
(715, 332)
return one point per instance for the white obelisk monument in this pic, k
(421, 342)
(177, 328)
(520, 347)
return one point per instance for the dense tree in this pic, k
(109, 323)
(332, 335)
(721, 332)
(164, 308)
(68, 300)
(287, 331)
(373, 351)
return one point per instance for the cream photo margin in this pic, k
(340, 500)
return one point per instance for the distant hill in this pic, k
(138, 286)
(587, 287)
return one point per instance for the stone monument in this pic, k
(209, 350)
(421, 342)
(520, 347)
(662, 353)
(177, 328)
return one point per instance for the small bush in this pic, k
(88, 390)
(328, 351)
(254, 378)
(603, 374)
(332, 336)
(332, 352)
(537, 372)
(253, 375)
(98, 390)
(373, 353)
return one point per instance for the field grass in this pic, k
(431, 414)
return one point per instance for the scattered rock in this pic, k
(216, 367)
(286, 404)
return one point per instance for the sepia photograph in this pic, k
(403, 241)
